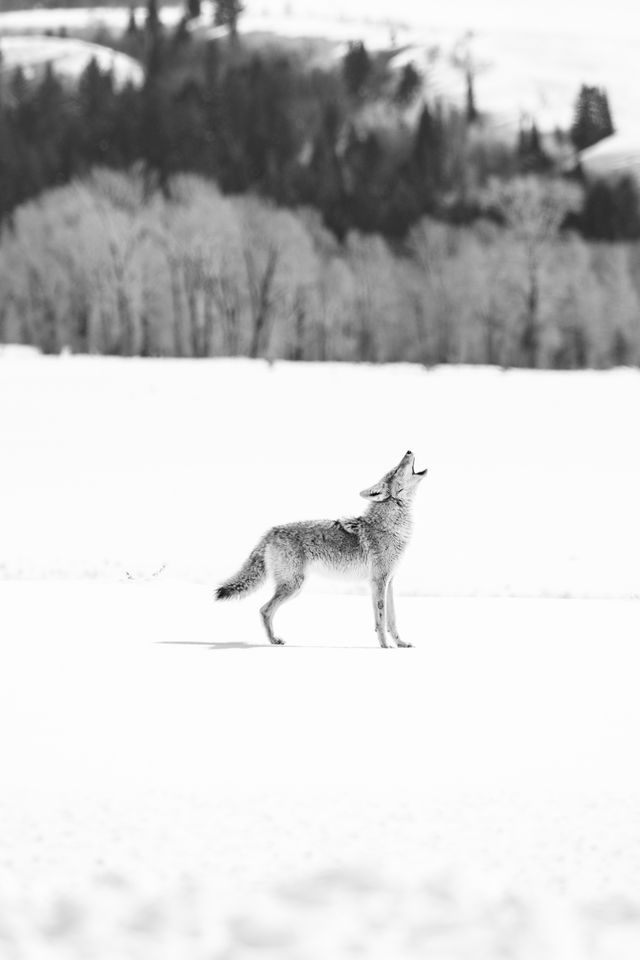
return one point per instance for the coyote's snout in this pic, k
(370, 546)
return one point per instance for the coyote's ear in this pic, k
(377, 492)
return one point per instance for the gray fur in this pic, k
(250, 575)
(369, 546)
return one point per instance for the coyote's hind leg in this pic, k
(284, 591)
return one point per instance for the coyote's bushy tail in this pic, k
(250, 575)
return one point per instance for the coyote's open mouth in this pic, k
(416, 473)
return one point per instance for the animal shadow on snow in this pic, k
(244, 645)
(211, 644)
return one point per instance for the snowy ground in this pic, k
(114, 466)
(172, 787)
(172, 790)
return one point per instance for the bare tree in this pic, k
(534, 209)
(279, 261)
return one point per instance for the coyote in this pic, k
(369, 546)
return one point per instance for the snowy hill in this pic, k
(613, 156)
(69, 57)
(529, 64)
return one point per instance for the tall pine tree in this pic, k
(592, 118)
(356, 68)
(428, 156)
(153, 17)
(132, 24)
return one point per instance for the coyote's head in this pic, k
(399, 484)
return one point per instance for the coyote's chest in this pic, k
(386, 542)
(386, 547)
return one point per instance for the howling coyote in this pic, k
(368, 546)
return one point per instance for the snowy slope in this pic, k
(618, 154)
(69, 57)
(530, 60)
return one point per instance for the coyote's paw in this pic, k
(403, 643)
(276, 642)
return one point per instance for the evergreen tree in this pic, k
(132, 25)
(427, 159)
(532, 157)
(365, 178)
(605, 110)
(96, 97)
(471, 109)
(356, 68)
(322, 181)
(153, 17)
(226, 14)
(181, 34)
(155, 135)
(282, 141)
(592, 120)
(51, 132)
(9, 164)
(211, 110)
(127, 125)
(409, 84)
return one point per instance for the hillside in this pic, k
(619, 154)
(67, 56)
(525, 68)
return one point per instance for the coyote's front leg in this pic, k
(391, 617)
(379, 583)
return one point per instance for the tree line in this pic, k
(243, 201)
(107, 266)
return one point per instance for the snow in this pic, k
(116, 466)
(530, 61)
(69, 57)
(614, 155)
(174, 787)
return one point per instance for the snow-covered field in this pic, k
(128, 466)
(172, 787)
